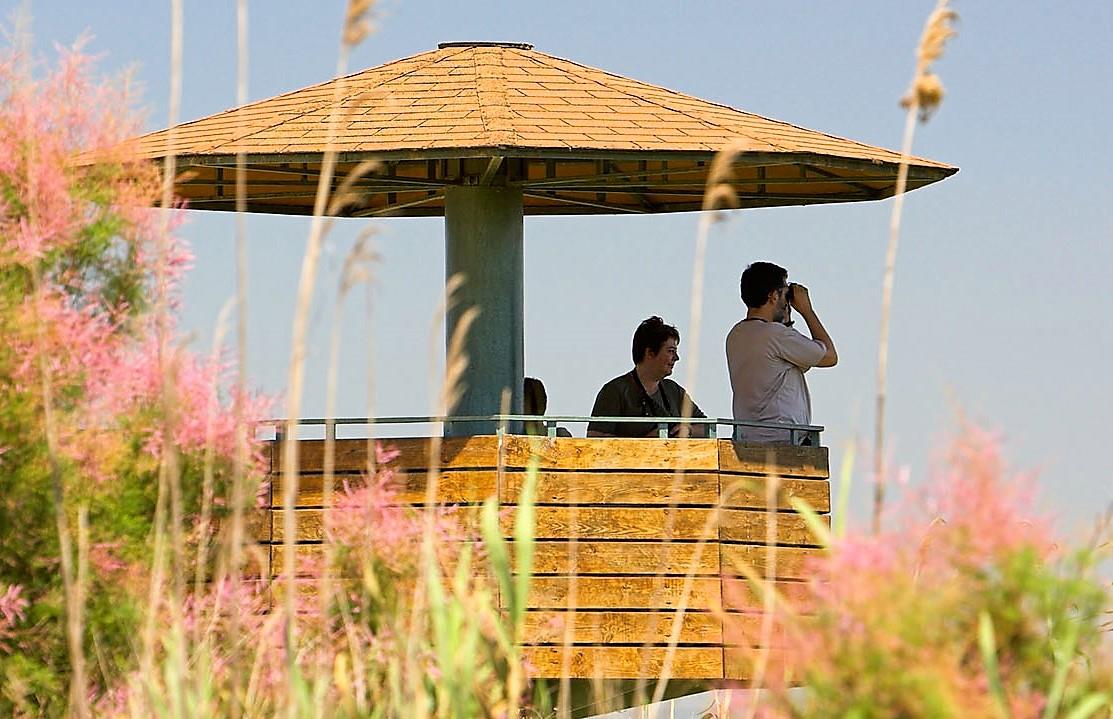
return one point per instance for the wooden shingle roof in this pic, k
(583, 139)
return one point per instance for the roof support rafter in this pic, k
(306, 173)
(585, 203)
(373, 212)
(492, 168)
(851, 183)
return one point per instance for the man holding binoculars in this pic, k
(767, 359)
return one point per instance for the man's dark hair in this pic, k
(758, 280)
(651, 334)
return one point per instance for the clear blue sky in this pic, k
(1002, 291)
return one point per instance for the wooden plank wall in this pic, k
(626, 529)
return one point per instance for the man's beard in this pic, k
(781, 314)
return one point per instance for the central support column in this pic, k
(483, 241)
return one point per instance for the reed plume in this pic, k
(923, 98)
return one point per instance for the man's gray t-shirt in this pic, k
(767, 362)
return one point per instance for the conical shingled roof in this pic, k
(575, 138)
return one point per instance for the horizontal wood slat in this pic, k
(781, 460)
(644, 523)
(592, 558)
(256, 524)
(790, 562)
(743, 525)
(600, 523)
(306, 556)
(623, 593)
(412, 453)
(745, 492)
(618, 488)
(751, 630)
(572, 453)
(453, 487)
(741, 595)
(310, 556)
(592, 627)
(625, 662)
(595, 454)
(740, 663)
(640, 488)
(309, 523)
(625, 557)
(738, 631)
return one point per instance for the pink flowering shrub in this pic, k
(396, 616)
(970, 608)
(82, 260)
(107, 422)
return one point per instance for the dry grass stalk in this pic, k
(926, 92)
(564, 696)
(150, 636)
(665, 674)
(204, 529)
(446, 391)
(356, 24)
(516, 678)
(344, 195)
(356, 270)
(923, 98)
(719, 194)
(306, 284)
(73, 609)
(768, 597)
(233, 565)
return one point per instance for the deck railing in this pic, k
(805, 434)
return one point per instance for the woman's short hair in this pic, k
(651, 334)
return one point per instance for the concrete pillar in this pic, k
(483, 241)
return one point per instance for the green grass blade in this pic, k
(842, 504)
(499, 556)
(815, 523)
(1063, 660)
(1089, 705)
(524, 526)
(987, 643)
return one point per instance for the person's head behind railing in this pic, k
(534, 401)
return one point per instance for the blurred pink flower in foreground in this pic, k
(12, 608)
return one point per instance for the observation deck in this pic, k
(629, 533)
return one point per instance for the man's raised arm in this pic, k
(802, 303)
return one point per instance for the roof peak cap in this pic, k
(465, 43)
